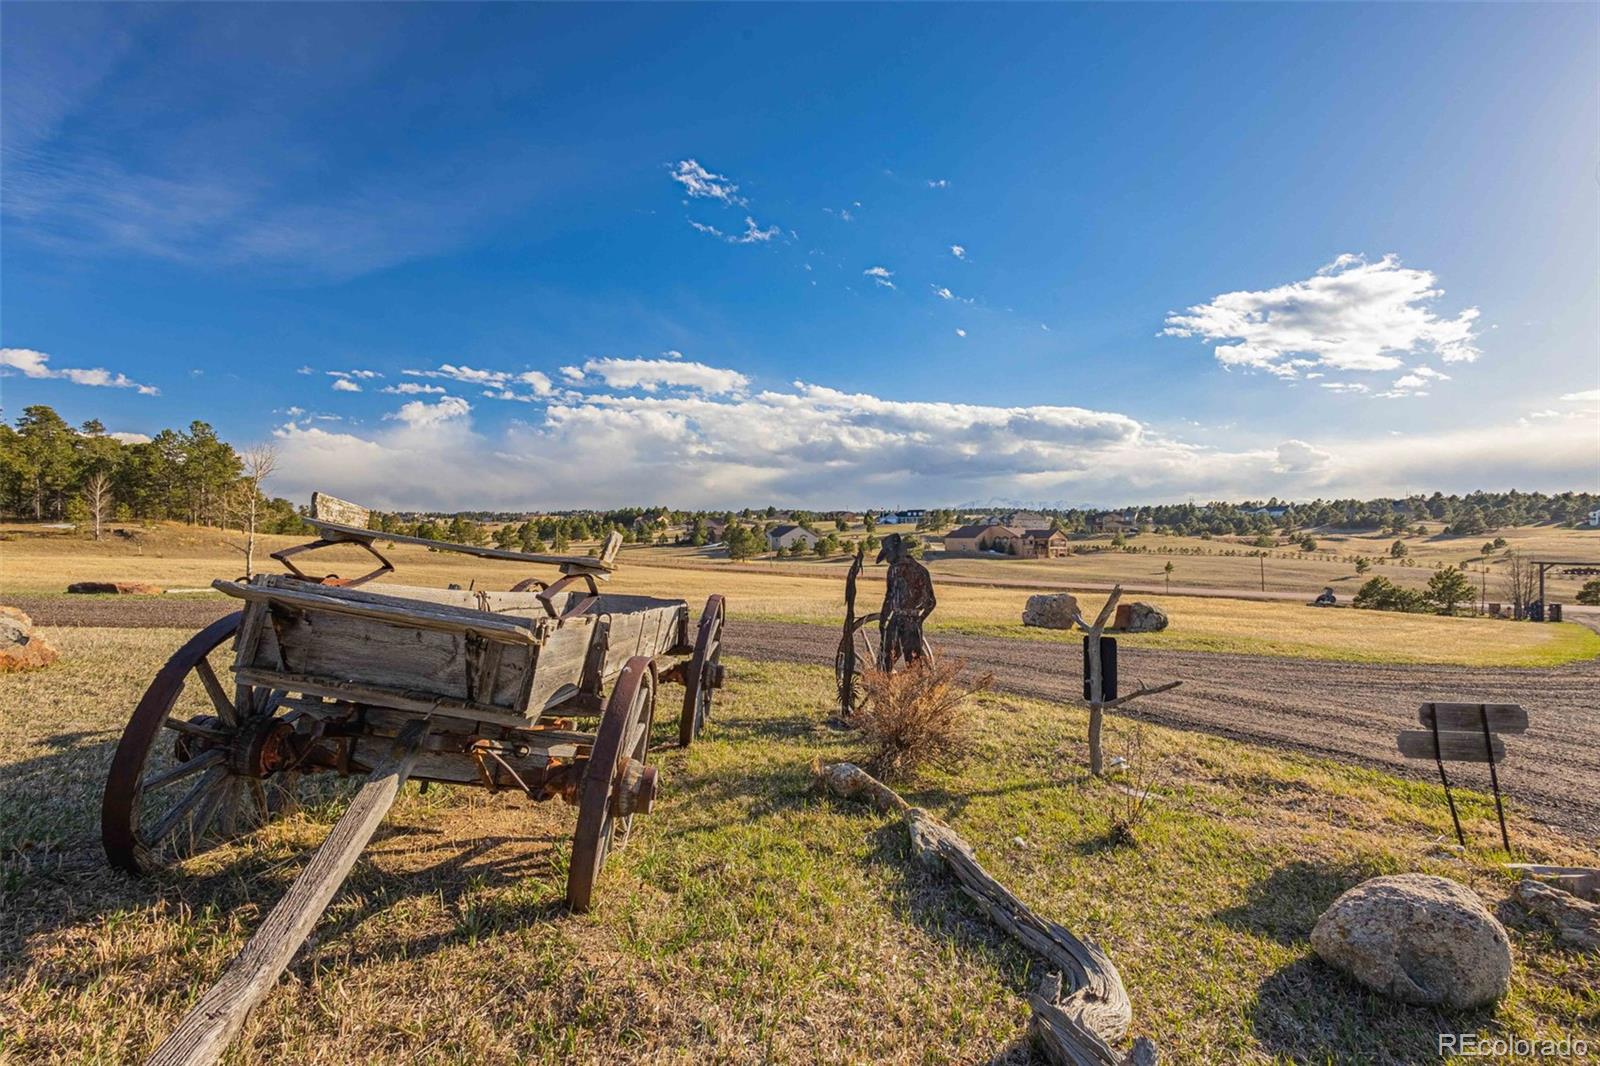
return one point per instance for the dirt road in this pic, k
(1347, 711)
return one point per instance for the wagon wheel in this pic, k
(864, 635)
(703, 674)
(181, 778)
(616, 781)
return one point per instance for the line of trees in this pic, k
(50, 470)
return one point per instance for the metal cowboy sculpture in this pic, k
(907, 601)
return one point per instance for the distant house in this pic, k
(909, 517)
(1594, 517)
(1112, 522)
(1020, 520)
(781, 538)
(716, 529)
(1032, 543)
(979, 537)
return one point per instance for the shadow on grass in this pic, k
(1286, 903)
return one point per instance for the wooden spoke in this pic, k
(211, 782)
(194, 729)
(203, 761)
(226, 712)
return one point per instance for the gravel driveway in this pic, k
(1347, 711)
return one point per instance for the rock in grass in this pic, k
(124, 588)
(21, 647)
(1142, 618)
(1418, 939)
(1051, 612)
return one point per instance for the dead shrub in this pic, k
(918, 716)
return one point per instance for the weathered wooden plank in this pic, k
(1456, 746)
(1503, 717)
(327, 508)
(410, 613)
(211, 1024)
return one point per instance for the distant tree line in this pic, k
(50, 470)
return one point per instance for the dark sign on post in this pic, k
(1465, 732)
(1108, 669)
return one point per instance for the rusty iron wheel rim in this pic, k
(624, 733)
(144, 819)
(698, 690)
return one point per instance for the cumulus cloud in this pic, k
(700, 183)
(809, 445)
(345, 385)
(1353, 315)
(572, 373)
(1296, 456)
(420, 414)
(1589, 396)
(130, 438)
(500, 380)
(961, 333)
(881, 275)
(34, 364)
(958, 251)
(650, 374)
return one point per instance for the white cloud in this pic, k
(1296, 456)
(808, 445)
(1342, 386)
(938, 183)
(958, 251)
(345, 385)
(649, 374)
(753, 233)
(1589, 396)
(130, 438)
(842, 214)
(944, 293)
(1352, 316)
(536, 380)
(700, 183)
(961, 333)
(35, 364)
(673, 353)
(881, 275)
(420, 414)
(572, 373)
(305, 370)
(412, 388)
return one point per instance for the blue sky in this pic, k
(817, 255)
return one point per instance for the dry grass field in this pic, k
(184, 557)
(750, 920)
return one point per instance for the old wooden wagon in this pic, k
(548, 689)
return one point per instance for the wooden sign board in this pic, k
(327, 508)
(1502, 717)
(1454, 745)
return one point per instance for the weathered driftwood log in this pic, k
(211, 1024)
(1077, 1028)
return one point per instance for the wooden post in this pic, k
(211, 1024)
(1096, 682)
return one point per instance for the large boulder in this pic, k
(1418, 939)
(1051, 612)
(124, 588)
(1140, 618)
(21, 647)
